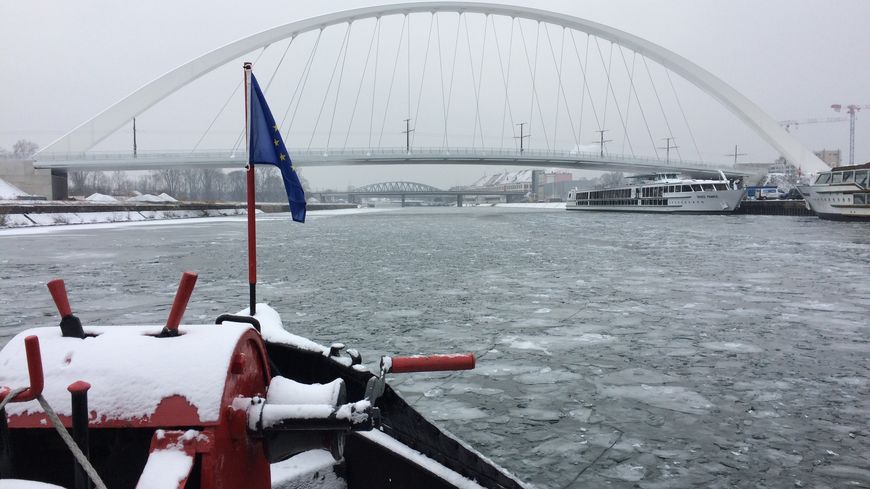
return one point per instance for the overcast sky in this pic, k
(62, 62)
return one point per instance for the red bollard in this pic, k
(182, 296)
(34, 370)
(70, 325)
(58, 292)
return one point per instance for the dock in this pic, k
(774, 208)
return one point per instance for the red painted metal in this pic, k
(252, 209)
(78, 386)
(432, 363)
(226, 455)
(237, 459)
(34, 370)
(58, 292)
(182, 443)
(182, 296)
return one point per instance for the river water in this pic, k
(614, 350)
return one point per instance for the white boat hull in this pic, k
(835, 202)
(713, 202)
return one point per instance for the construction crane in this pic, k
(852, 110)
(787, 125)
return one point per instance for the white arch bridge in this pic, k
(480, 84)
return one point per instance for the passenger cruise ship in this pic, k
(842, 193)
(661, 192)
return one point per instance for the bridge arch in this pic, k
(409, 187)
(91, 132)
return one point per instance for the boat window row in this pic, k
(695, 187)
(607, 202)
(860, 177)
(861, 199)
(620, 202)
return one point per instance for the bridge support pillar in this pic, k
(459, 200)
(403, 200)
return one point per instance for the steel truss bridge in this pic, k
(545, 76)
(414, 189)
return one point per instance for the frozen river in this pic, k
(613, 350)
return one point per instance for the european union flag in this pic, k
(266, 146)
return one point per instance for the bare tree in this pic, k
(79, 181)
(171, 180)
(612, 179)
(24, 149)
(212, 183)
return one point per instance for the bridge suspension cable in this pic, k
(336, 46)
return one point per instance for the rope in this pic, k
(392, 79)
(408, 51)
(506, 107)
(423, 74)
(341, 49)
(71, 444)
(11, 396)
(338, 88)
(441, 75)
(686, 121)
(303, 79)
(475, 82)
(664, 115)
(561, 89)
(359, 89)
(615, 102)
(241, 135)
(585, 83)
(446, 142)
(534, 89)
(374, 81)
(640, 107)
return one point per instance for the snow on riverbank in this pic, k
(63, 218)
(9, 191)
(19, 224)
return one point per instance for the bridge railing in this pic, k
(395, 153)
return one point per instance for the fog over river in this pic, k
(614, 350)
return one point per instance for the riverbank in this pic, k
(15, 214)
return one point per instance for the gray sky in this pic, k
(63, 62)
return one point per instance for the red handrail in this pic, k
(431, 363)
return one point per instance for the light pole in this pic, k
(407, 132)
(521, 137)
(668, 148)
(601, 141)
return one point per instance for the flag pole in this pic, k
(252, 210)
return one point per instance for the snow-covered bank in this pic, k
(153, 218)
(63, 218)
(9, 191)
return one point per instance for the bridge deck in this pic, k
(380, 156)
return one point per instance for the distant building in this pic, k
(538, 184)
(831, 157)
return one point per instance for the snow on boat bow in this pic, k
(243, 403)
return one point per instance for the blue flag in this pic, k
(266, 146)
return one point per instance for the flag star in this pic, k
(276, 142)
(282, 157)
(275, 127)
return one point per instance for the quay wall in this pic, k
(774, 208)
